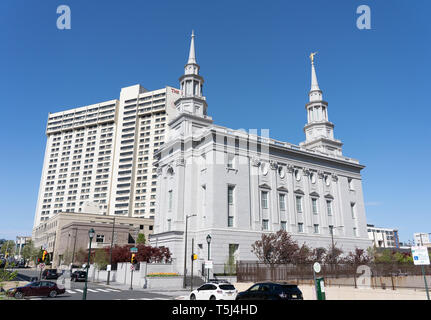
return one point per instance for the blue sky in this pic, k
(254, 58)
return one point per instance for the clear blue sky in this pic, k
(254, 58)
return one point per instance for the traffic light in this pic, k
(194, 256)
(133, 260)
(44, 255)
(39, 260)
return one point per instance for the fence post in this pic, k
(392, 280)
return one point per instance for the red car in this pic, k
(38, 288)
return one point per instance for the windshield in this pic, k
(227, 287)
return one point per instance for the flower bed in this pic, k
(163, 274)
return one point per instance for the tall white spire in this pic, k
(315, 92)
(191, 84)
(192, 54)
(314, 84)
(319, 131)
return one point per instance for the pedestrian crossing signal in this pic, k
(194, 256)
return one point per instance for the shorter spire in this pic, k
(314, 84)
(192, 55)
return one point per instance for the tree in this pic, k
(29, 252)
(358, 257)
(276, 247)
(333, 255)
(9, 247)
(101, 259)
(318, 255)
(141, 239)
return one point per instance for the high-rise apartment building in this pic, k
(99, 158)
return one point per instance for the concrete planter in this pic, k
(171, 282)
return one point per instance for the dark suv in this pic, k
(271, 291)
(50, 274)
(78, 276)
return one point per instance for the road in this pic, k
(100, 291)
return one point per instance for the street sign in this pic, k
(316, 267)
(108, 267)
(41, 265)
(208, 264)
(420, 256)
(133, 249)
(132, 267)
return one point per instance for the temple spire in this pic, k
(314, 83)
(192, 54)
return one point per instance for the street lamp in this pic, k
(185, 250)
(110, 252)
(91, 236)
(209, 242)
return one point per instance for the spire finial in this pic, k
(312, 57)
(314, 84)
(192, 55)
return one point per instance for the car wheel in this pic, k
(213, 298)
(53, 294)
(18, 295)
(192, 297)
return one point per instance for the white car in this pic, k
(214, 291)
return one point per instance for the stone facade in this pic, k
(235, 185)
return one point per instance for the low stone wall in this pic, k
(163, 283)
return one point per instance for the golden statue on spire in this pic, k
(312, 56)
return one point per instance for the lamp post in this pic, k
(332, 237)
(110, 252)
(90, 235)
(185, 250)
(209, 242)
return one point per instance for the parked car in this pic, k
(38, 288)
(78, 275)
(271, 291)
(214, 291)
(50, 274)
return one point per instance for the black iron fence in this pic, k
(375, 275)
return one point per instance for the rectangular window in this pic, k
(314, 205)
(298, 204)
(100, 238)
(170, 200)
(230, 161)
(283, 225)
(265, 224)
(282, 200)
(350, 182)
(316, 228)
(204, 195)
(329, 207)
(352, 210)
(230, 221)
(300, 227)
(230, 194)
(264, 199)
(169, 224)
(355, 232)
